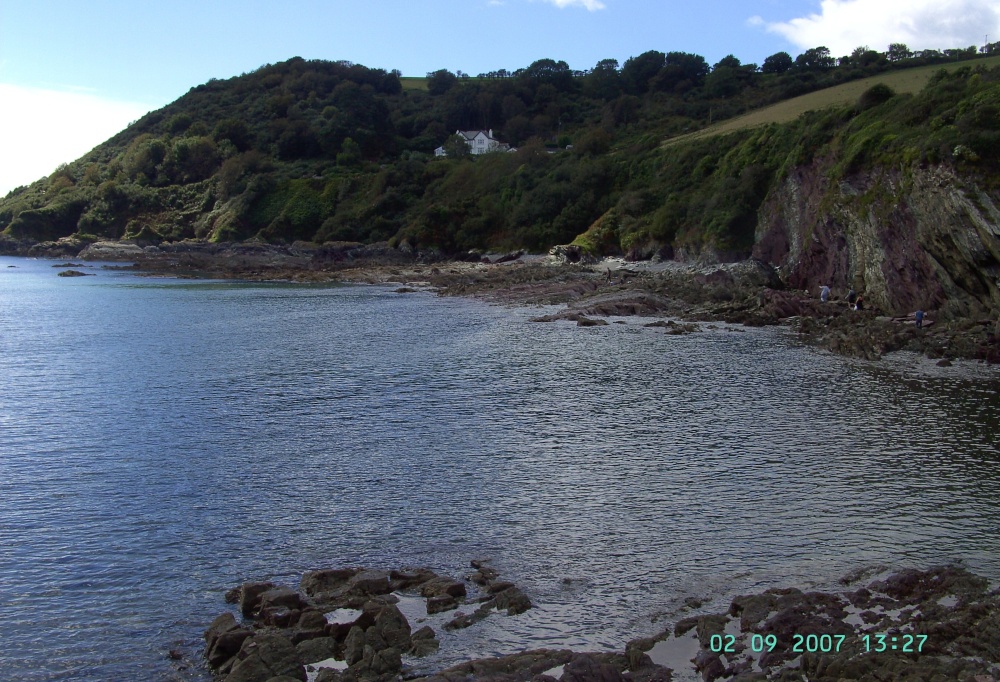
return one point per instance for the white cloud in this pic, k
(843, 25)
(40, 129)
(591, 5)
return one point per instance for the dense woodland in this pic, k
(333, 151)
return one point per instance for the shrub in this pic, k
(874, 96)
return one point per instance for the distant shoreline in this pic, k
(747, 292)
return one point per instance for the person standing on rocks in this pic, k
(824, 293)
(852, 297)
(919, 317)
(859, 303)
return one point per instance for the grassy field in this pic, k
(413, 83)
(906, 81)
(420, 82)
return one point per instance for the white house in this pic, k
(479, 141)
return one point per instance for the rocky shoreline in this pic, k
(346, 625)
(749, 292)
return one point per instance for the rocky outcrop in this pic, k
(111, 251)
(266, 656)
(919, 238)
(944, 624)
(674, 328)
(552, 665)
(571, 253)
(345, 614)
(914, 625)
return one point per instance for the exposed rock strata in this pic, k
(922, 238)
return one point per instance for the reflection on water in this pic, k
(162, 441)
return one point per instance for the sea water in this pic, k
(163, 440)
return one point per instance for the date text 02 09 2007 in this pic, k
(878, 643)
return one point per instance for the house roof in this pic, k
(471, 134)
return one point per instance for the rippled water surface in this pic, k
(163, 440)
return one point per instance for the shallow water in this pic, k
(164, 440)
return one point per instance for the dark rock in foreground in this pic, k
(347, 615)
(74, 273)
(940, 624)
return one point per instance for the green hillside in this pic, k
(908, 81)
(333, 151)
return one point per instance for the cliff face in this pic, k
(920, 238)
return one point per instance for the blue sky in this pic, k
(74, 73)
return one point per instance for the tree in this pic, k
(681, 72)
(604, 81)
(815, 58)
(550, 71)
(440, 81)
(350, 153)
(638, 71)
(623, 111)
(594, 142)
(728, 61)
(724, 81)
(389, 84)
(236, 131)
(864, 56)
(898, 52)
(456, 147)
(728, 77)
(779, 62)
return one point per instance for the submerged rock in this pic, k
(675, 328)
(582, 321)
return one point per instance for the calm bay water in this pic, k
(162, 441)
